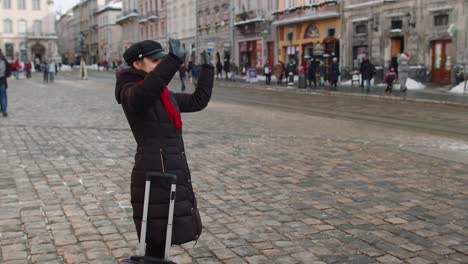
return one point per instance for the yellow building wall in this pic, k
(299, 31)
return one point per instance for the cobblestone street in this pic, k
(280, 177)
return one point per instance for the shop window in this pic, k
(361, 29)
(397, 24)
(441, 20)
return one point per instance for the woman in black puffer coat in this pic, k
(153, 113)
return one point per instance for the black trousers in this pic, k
(156, 252)
(389, 88)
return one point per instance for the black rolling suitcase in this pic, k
(162, 177)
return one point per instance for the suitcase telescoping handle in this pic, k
(171, 179)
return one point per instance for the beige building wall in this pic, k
(65, 42)
(28, 31)
(109, 34)
(152, 20)
(381, 30)
(181, 23)
(128, 21)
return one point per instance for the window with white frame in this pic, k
(290, 3)
(309, 2)
(22, 27)
(37, 27)
(36, 4)
(7, 26)
(21, 4)
(6, 4)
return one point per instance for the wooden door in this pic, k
(397, 44)
(441, 62)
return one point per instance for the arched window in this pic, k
(22, 27)
(7, 26)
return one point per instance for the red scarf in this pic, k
(171, 110)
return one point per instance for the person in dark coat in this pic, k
(153, 113)
(182, 74)
(219, 67)
(291, 71)
(4, 74)
(227, 65)
(367, 72)
(334, 73)
(312, 72)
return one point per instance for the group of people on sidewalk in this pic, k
(391, 77)
(315, 71)
(14, 68)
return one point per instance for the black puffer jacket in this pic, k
(160, 147)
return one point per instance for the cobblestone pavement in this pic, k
(275, 185)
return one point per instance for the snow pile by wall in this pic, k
(414, 85)
(65, 68)
(459, 89)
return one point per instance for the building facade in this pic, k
(181, 24)
(27, 30)
(152, 20)
(109, 32)
(253, 37)
(308, 28)
(434, 32)
(214, 28)
(128, 21)
(66, 45)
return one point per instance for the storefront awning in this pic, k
(310, 17)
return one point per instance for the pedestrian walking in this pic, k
(182, 75)
(4, 74)
(403, 70)
(367, 73)
(195, 73)
(51, 70)
(322, 73)
(291, 71)
(219, 67)
(390, 78)
(83, 70)
(15, 68)
(189, 70)
(28, 68)
(227, 65)
(234, 71)
(279, 72)
(334, 73)
(153, 113)
(312, 72)
(459, 72)
(45, 71)
(267, 72)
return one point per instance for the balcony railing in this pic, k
(128, 14)
(40, 35)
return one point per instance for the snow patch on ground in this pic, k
(459, 89)
(414, 85)
(65, 68)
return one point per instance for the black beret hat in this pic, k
(144, 49)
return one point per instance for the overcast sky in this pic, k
(64, 5)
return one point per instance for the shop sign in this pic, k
(318, 49)
(312, 31)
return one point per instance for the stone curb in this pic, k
(337, 93)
